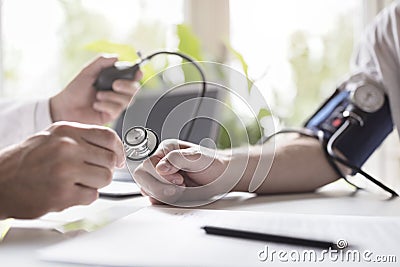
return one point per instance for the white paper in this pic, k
(118, 187)
(122, 174)
(173, 237)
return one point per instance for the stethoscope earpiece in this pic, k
(140, 143)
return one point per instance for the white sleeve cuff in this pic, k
(18, 120)
(42, 115)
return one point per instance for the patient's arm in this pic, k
(298, 165)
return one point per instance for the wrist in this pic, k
(56, 108)
(259, 161)
(249, 168)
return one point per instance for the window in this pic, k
(297, 51)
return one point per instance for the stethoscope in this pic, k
(140, 142)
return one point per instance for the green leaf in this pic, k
(263, 113)
(149, 80)
(125, 52)
(189, 44)
(254, 131)
(5, 226)
(242, 61)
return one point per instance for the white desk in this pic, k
(19, 246)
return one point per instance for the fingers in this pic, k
(149, 166)
(92, 176)
(189, 159)
(169, 145)
(107, 139)
(117, 98)
(123, 92)
(97, 136)
(111, 109)
(114, 102)
(74, 195)
(152, 200)
(62, 167)
(164, 167)
(159, 166)
(82, 195)
(151, 186)
(127, 87)
(95, 155)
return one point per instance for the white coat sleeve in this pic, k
(20, 120)
(378, 55)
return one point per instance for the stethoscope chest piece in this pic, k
(140, 143)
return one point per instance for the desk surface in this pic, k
(25, 237)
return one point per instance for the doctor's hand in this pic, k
(80, 102)
(60, 167)
(178, 165)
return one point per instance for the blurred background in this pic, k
(295, 51)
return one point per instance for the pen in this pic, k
(268, 237)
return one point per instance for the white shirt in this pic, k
(378, 55)
(20, 120)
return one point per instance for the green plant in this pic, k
(316, 76)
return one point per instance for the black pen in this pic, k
(268, 237)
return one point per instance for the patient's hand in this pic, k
(179, 165)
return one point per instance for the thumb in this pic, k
(190, 160)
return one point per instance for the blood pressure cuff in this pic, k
(356, 143)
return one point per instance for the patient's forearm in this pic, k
(298, 166)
